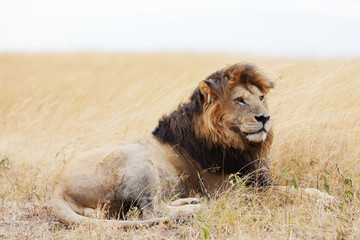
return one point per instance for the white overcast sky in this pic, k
(319, 28)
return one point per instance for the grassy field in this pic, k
(54, 106)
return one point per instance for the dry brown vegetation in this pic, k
(54, 106)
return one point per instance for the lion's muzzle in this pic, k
(255, 129)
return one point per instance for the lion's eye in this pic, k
(240, 101)
(261, 98)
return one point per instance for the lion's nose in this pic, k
(262, 118)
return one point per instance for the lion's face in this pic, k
(245, 112)
(235, 110)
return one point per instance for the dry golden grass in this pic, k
(53, 106)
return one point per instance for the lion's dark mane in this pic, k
(177, 129)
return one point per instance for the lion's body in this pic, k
(115, 177)
(140, 173)
(224, 129)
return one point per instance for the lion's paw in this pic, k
(321, 197)
(185, 201)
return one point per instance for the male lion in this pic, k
(225, 128)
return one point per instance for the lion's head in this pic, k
(234, 106)
(226, 123)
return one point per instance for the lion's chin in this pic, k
(256, 137)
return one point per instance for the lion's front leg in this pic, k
(183, 207)
(181, 211)
(311, 194)
(184, 201)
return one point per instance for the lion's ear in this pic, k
(209, 90)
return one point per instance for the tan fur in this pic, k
(148, 173)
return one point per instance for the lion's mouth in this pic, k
(237, 129)
(261, 130)
(257, 136)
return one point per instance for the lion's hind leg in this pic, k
(67, 215)
(90, 212)
(64, 212)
